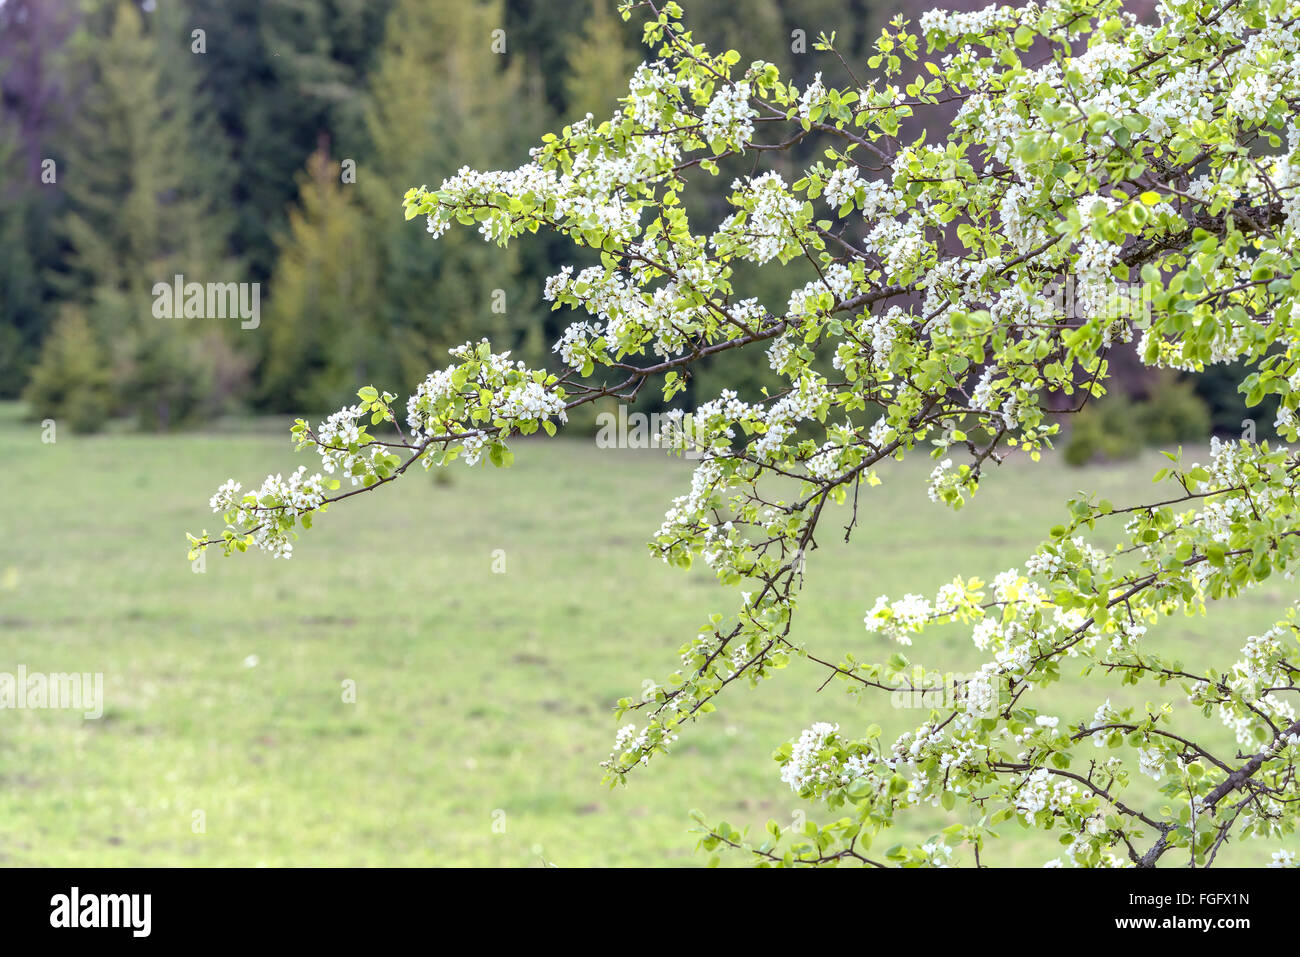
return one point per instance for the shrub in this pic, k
(71, 381)
(1117, 428)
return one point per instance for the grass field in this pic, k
(482, 699)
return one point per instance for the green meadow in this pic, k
(483, 699)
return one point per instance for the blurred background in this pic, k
(270, 142)
(273, 145)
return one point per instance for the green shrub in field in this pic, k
(71, 383)
(1119, 428)
(1106, 431)
(1173, 412)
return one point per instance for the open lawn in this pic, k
(482, 699)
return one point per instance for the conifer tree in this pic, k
(36, 98)
(441, 97)
(139, 216)
(322, 305)
(21, 306)
(599, 63)
(70, 382)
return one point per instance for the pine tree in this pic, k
(22, 309)
(36, 99)
(71, 382)
(279, 74)
(322, 298)
(135, 211)
(442, 98)
(599, 65)
(754, 26)
(139, 216)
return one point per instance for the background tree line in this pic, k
(271, 141)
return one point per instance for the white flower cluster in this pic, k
(296, 495)
(730, 115)
(336, 441)
(837, 279)
(1095, 288)
(1263, 665)
(843, 186)
(780, 420)
(812, 97)
(937, 854)
(1099, 59)
(1048, 562)
(669, 315)
(529, 401)
(992, 19)
(686, 513)
(1041, 791)
(340, 428)
(1151, 762)
(767, 224)
(900, 619)
(1265, 77)
(1104, 715)
(1024, 230)
(577, 333)
(517, 397)
(805, 765)
(630, 739)
(592, 192)
(942, 479)
(900, 244)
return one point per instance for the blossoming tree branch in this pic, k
(1085, 145)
